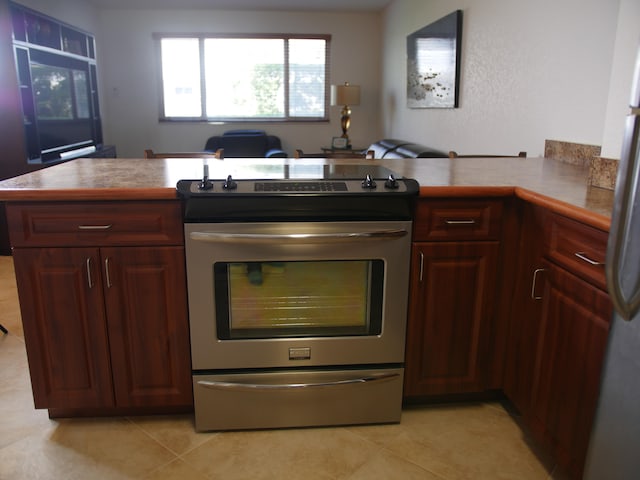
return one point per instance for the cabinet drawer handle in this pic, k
(421, 265)
(583, 256)
(460, 222)
(94, 227)
(89, 279)
(255, 387)
(535, 296)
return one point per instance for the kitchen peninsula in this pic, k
(561, 185)
(85, 232)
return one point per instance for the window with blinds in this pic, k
(236, 78)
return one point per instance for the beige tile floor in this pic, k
(463, 441)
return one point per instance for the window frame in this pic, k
(201, 37)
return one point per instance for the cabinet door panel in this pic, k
(526, 310)
(145, 291)
(450, 309)
(64, 327)
(572, 342)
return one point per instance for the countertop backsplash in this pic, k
(602, 171)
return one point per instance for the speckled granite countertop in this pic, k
(556, 185)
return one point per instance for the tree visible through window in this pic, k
(233, 78)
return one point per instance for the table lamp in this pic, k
(347, 96)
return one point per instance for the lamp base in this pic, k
(345, 123)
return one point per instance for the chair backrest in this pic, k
(453, 154)
(151, 154)
(369, 154)
(248, 143)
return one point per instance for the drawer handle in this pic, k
(460, 222)
(94, 227)
(253, 387)
(583, 256)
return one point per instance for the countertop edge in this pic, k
(588, 217)
(115, 194)
(466, 191)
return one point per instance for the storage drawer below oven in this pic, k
(297, 398)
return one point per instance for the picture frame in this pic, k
(433, 63)
(339, 143)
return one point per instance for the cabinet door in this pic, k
(64, 326)
(526, 310)
(145, 292)
(451, 305)
(572, 341)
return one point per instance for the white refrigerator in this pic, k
(614, 450)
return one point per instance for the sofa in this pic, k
(246, 143)
(392, 148)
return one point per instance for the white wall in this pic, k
(128, 70)
(530, 71)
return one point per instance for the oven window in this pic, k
(301, 298)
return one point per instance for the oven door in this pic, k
(297, 294)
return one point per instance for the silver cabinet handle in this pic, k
(421, 265)
(94, 227)
(534, 296)
(460, 222)
(106, 271)
(583, 256)
(297, 238)
(89, 279)
(293, 386)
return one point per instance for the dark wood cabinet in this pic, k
(146, 298)
(451, 304)
(65, 327)
(560, 324)
(105, 318)
(453, 294)
(571, 344)
(525, 308)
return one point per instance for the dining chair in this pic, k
(219, 154)
(335, 154)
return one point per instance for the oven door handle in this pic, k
(298, 238)
(238, 386)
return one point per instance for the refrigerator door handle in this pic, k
(623, 276)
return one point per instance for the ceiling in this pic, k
(288, 5)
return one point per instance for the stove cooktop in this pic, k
(303, 179)
(297, 193)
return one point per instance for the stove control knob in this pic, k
(369, 182)
(391, 182)
(229, 184)
(205, 184)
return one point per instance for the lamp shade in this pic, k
(345, 94)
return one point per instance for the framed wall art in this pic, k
(433, 63)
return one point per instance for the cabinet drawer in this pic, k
(95, 224)
(457, 220)
(577, 247)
